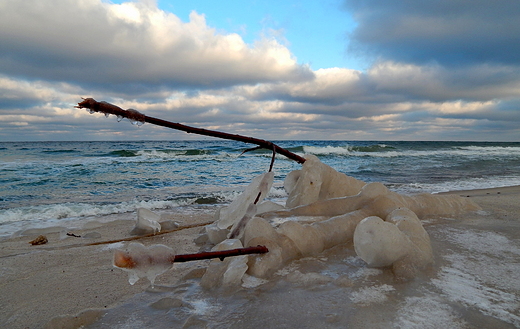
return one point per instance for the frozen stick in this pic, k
(125, 260)
(94, 106)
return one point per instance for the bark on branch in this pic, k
(126, 260)
(220, 254)
(133, 115)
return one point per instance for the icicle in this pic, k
(135, 117)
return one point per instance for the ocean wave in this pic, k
(456, 185)
(74, 210)
(347, 149)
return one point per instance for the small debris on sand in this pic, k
(41, 239)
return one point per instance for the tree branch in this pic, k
(220, 254)
(133, 115)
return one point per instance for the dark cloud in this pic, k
(448, 32)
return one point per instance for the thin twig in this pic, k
(149, 235)
(133, 115)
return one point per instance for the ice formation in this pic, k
(384, 227)
(240, 210)
(318, 181)
(227, 272)
(147, 222)
(144, 262)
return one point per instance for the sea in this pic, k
(64, 183)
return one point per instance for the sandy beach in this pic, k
(69, 283)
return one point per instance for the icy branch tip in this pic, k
(94, 106)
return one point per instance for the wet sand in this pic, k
(69, 283)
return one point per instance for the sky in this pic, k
(276, 70)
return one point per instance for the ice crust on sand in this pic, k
(144, 262)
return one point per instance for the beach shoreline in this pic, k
(69, 283)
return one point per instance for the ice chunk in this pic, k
(318, 181)
(237, 231)
(380, 243)
(147, 222)
(421, 253)
(256, 191)
(168, 225)
(263, 265)
(144, 262)
(308, 239)
(290, 180)
(268, 206)
(339, 206)
(226, 273)
(236, 269)
(216, 234)
(259, 227)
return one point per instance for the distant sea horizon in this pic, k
(55, 182)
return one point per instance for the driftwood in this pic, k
(126, 261)
(103, 107)
(133, 238)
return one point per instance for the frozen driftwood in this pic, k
(384, 226)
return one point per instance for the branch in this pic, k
(124, 259)
(221, 254)
(135, 116)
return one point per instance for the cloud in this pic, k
(137, 56)
(447, 32)
(131, 47)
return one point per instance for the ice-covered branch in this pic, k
(149, 262)
(103, 107)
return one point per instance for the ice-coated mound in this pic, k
(144, 262)
(228, 272)
(380, 243)
(147, 222)
(318, 181)
(421, 253)
(401, 242)
(349, 211)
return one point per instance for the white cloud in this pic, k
(137, 56)
(119, 46)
